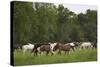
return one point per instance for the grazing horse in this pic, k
(86, 45)
(27, 47)
(62, 47)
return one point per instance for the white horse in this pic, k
(86, 45)
(27, 47)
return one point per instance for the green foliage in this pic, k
(44, 22)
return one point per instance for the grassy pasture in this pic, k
(77, 56)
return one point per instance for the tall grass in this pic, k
(77, 56)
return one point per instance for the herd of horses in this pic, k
(52, 47)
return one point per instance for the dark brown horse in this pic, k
(42, 47)
(62, 47)
(45, 48)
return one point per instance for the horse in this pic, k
(42, 47)
(62, 47)
(84, 45)
(45, 48)
(52, 46)
(27, 47)
(94, 45)
(37, 48)
(73, 45)
(17, 47)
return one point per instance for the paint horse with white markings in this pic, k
(44, 47)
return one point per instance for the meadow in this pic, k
(76, 56)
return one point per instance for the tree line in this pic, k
(45, 22)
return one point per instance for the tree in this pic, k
(44, 22)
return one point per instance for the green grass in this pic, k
(77, 56)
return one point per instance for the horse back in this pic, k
(45, 48)
(65, 47)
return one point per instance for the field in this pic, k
(77, 56)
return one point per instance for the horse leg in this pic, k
(40, 52)
(68, 52)
(24, 50)
(82, 47)
(35, 53)
(65, 52)
(59, 52)
(47, 52)
(73, 48)
(87, 47)
(32, 51)
(92, 47)
(51, 52)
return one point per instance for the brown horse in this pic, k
(62, 47)
(42, 47)
(45, 48)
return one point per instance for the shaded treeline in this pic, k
(45, 22)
